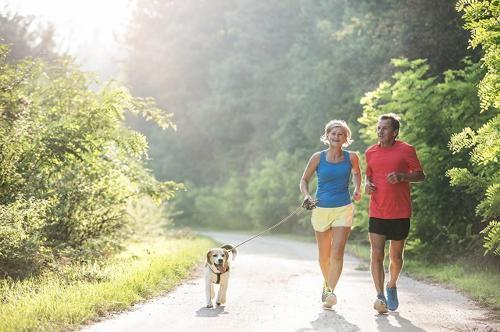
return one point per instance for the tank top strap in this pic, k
(347, 157)
(322, 156)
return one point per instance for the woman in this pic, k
(332, 218)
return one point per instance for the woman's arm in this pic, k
(308, 172)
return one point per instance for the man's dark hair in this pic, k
(394, 120)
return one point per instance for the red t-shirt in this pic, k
(390, 201)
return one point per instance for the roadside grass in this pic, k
(78, 294)
(477, 280)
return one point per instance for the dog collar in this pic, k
(217, 274)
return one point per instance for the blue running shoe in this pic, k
(392, 298)
(380, 304)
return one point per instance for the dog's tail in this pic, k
(230, 248)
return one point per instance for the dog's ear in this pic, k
(226, 257)
(208, 256)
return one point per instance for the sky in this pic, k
(87, 29)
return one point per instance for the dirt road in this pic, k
(275, 285)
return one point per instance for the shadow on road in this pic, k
(211, 312)
(329, 320)
(403, 324)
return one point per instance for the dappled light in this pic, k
(131, 123)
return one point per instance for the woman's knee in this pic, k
(337, 253)
(324, 256)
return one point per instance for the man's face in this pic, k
(386, 135)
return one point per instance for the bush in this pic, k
(73, 167)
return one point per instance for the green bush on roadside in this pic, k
(81, 292)
(73, 168)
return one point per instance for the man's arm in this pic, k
(369, 185)
(356, 176)
(395, 177)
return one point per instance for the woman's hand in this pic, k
(356, 195)
(309, 203)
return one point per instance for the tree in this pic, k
(431, 111)
(68, 166)
(24, 39)
(482, 19)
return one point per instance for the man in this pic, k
(391, 166)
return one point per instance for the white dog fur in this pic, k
(217, 272)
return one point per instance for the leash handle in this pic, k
(272, 227)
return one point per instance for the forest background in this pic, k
(248, 86)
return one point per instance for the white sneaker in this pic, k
(330, 300)
(380, 304)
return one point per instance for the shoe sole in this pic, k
(380, 306)
(330, 301)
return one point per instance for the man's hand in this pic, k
(369, 187)
(394, 177)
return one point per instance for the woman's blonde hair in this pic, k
(333, 124)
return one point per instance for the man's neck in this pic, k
(386, 145)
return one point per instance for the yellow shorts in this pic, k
(325, 218)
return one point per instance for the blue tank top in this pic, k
(333, 182)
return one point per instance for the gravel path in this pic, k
(275, 285)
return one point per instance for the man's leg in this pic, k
(377, 242)
(340, 236)
(395, 267)
(396, 261)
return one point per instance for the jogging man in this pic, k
(391, 166)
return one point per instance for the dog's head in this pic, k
(219, 258)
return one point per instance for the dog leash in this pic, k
(273, 226)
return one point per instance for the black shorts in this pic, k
(393, 229)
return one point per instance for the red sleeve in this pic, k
(412, 160)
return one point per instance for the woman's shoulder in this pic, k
(317, 155)
(352, 154)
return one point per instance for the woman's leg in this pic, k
(339, 240)
(324, 241)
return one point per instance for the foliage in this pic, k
(22, 247)
(24, 38)
(222, 205)
(431, 111)
(73, 295)
(270, 192)
(67, 177)
(247, 80)
(482, 19)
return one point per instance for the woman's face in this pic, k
(336, 136)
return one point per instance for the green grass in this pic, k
(478, 281)
(63, 301)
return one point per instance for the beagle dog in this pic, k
(217, 272)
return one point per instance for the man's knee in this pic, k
(377, 253)
(396, 258)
